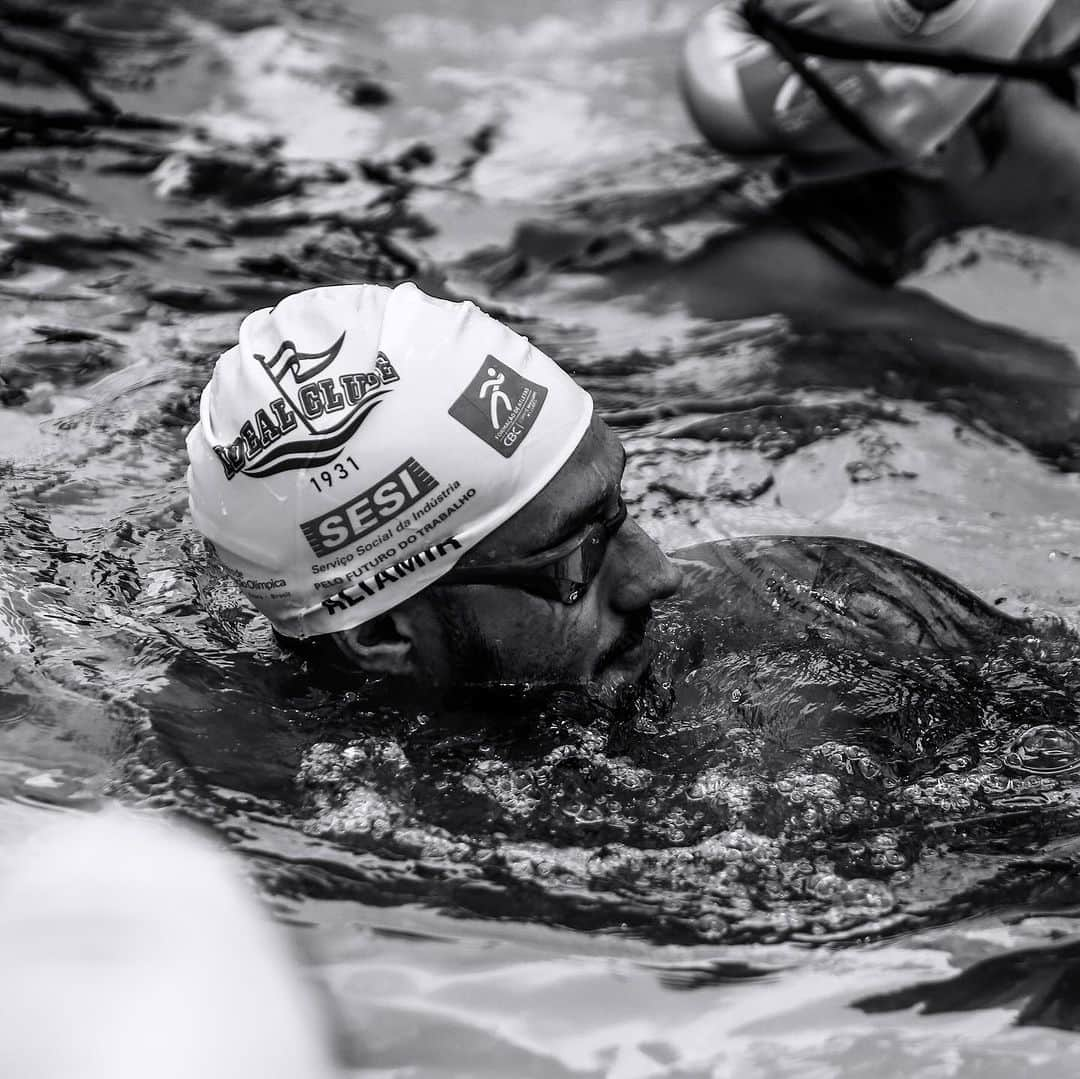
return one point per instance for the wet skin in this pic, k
(496, 633)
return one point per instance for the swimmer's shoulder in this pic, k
(841, 587)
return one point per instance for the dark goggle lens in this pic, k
(564, 579)
(572, 575)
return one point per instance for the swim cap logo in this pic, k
(498, 397)
(499, 406)
(370, 510)
(797, 109)
(373, 585)
(324, 413)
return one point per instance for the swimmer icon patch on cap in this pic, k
(358, 440)
(499, 406)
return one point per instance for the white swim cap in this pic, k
(746, 98)
(358, 440)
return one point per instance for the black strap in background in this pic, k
(1053, 72)
(777, 35)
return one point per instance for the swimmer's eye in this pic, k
(562, 575)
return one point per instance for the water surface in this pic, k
(592, 897)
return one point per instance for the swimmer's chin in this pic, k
(620, 671)
(628, 668)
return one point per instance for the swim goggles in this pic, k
(561, 575)
(796, 43)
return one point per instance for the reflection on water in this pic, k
(800, 776)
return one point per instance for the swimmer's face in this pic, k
(483, 633)
(1032, 186)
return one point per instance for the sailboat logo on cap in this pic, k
(303, 366)
(319, 411)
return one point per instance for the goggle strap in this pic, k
(779, 37)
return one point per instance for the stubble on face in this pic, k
(470, 654)
(492, 691)
(476, 657)
(487, 634)
(632, 639)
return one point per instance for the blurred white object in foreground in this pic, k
(133, 948)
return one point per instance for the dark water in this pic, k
(778, 786)
(869, 754)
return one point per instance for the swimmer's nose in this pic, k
(640, 573)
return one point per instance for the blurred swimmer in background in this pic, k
(886, 126)
(896, 123)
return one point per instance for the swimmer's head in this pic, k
(413, 481)
(757, 78)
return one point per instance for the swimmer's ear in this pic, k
(381, 646)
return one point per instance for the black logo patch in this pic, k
(499, 406)
(369, 510)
